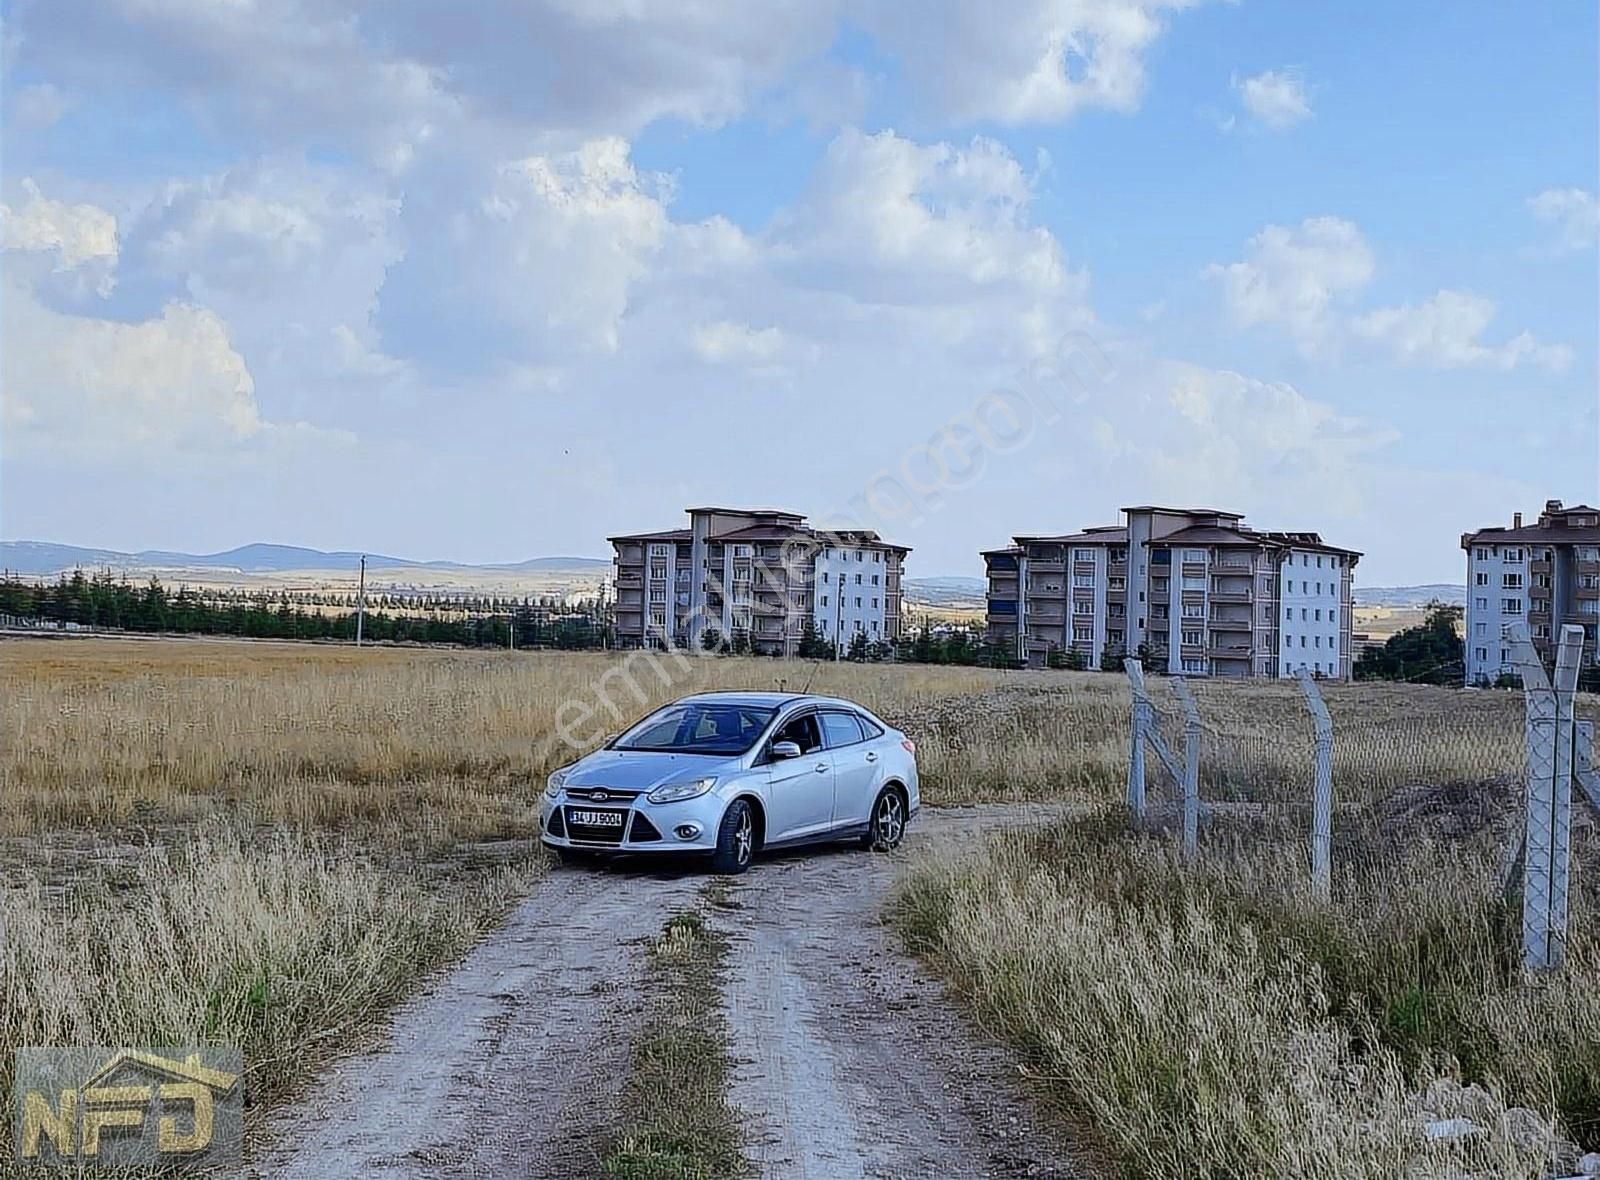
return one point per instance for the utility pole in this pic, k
(361, 599)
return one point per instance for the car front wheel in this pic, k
(736, 839)
(888, 824)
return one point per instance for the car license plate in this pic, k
(598, 819)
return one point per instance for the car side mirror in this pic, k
(782, 750)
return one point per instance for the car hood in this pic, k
(638, 771)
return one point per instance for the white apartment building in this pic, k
(1545, 575)
(761, 572)
(1195, 588)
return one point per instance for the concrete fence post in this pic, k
(1142, 717)
(1321, 790)
(1191, 768)
(1548, 733)
(1583, 767)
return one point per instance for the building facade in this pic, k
(1545, 575)
(1197, 590)
(760, 573)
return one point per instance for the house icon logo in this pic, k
(123, 1107)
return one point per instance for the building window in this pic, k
(1117, 583)
(1194, 610)
(1319, 616)
(1192, 638)
(1288, 614)
(1511, 606)
(1083, 634)
(1481, 654)
(858, 604)
(1158, 585)
(1194, 555)
(824, 600)
(1513, 556)
(1197, 667)
(1083, 608)
(1482, 579)
(1511, 581)
(1083, 555)
(1481, 603)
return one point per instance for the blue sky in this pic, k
(386, 277)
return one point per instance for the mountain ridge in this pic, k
(43, 558)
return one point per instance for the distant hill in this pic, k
(43, 558)
(946, 591)
(1411, 596)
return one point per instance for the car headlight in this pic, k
(552, 785)
(676, 792)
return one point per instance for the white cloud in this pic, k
(892, 220)
(1296, 278)
(1276, 98)
(1445, 331)
(1575, 214)
(539, 265)
(92, 385)
(726, 342)
(76, 235)
(1037, 61)
(37, 107)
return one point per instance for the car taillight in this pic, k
(911, 746)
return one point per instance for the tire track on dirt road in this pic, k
(850, 1060)
(502, 1066)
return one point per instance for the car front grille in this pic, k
(612, 795)
(643, 831)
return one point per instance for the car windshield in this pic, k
(698, 727)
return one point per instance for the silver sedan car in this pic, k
(731, 773)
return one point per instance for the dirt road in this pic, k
(850, 1061)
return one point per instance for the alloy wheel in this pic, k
(743, 838)
(890, 821)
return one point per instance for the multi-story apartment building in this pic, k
(1195, 588)
(1545, 574)
(760, 572)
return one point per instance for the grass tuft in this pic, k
(676, 1121)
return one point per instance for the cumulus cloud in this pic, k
(81, 382)
(537, 266)
(894, 220)
(1445, 331)
(1296, 278)
(1277, 99)
(1042, 61)
(1574, 213)
(73, 236)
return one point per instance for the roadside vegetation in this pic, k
(676, 1123)
(1217, 1021)
(268, 843)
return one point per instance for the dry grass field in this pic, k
(268, 843)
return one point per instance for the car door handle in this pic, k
(871, 757)
(822, 768)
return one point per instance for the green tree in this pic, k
(858, 646)
(1430, 653)
(711, 639)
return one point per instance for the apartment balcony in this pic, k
(1041, 566)
(1243, 595)
(1539, 567)
(1194, 568)
(1046, 616)
(1588, 567)
(1230, 651)
(1217, 623)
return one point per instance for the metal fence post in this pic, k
(1191, 768)
(1321, 790)
(1548, 796)
(1142, 711)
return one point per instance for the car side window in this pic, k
(841, 729)
(870, 728)
(803, 732)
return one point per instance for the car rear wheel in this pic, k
(736, 839)
(888, 823)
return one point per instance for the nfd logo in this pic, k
(128, 1106)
